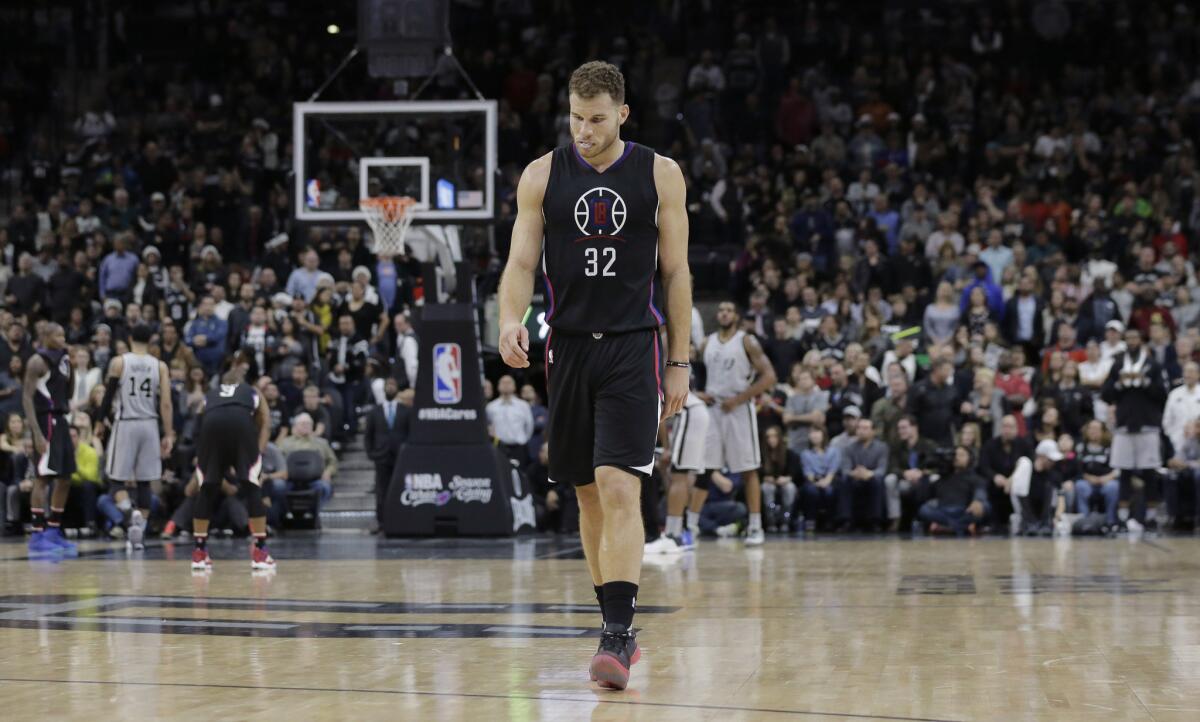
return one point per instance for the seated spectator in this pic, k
(821, 465)
(1185, 474)
(86, 484)
(231, 513)
(722, 512)
(959, 501)
(1044, 503)
(303, 438)
(780, 471)
(912, 461)
(997, 461)
(860, 491)
(804, 408)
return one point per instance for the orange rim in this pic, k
(389, 208)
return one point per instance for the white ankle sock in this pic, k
(674, 525)
(756, 521)
(693, 520)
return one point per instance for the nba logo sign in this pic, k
(447, 373)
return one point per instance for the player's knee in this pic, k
(618, 488)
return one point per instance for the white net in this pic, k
(389, 218)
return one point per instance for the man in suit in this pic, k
(1023, 318)
(387, 431)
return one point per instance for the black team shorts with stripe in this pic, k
(604, 403)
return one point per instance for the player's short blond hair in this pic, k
(592, 79)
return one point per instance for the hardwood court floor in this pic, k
(355, 628)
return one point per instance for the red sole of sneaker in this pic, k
(609, 673)
(637, 654)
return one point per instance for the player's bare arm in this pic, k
(516, 285)
(764, 374)
(34, 370)
(112, 386)
(166, 410)
(262, 419)
(677, 282)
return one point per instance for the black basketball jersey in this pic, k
(232, 395)
(54, 386)
(600, 251)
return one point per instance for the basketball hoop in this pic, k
(389, 218)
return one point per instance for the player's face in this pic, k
(56, 338)
(726, 315)
(596, 123)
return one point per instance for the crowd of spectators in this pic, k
(943, 222)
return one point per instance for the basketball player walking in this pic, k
(141, 387)
(234, 431)
(49, 379)
(733, 359)
(688, 474)
(605, 216)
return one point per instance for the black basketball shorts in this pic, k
(605, 398)
(58, 460)
(228, 445)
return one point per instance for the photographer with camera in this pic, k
(959, 500)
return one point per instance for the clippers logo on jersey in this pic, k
(600, 212)
(447, 373)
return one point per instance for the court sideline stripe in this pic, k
(480, 695)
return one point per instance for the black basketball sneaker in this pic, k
(617, 653)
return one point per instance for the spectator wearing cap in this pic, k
(206, 335)
(1045, 500)
(117, 270)
(1114, 340)
(850, 417)
(841, 396)
(861, 486)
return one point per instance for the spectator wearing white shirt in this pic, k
(707, 75)
(511, 420)
(1183, 407)
(946, 233)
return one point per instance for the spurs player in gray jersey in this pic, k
(138, 398)
(737, 372)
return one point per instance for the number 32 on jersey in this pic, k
(600, 261)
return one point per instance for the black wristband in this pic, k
(679, 364)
